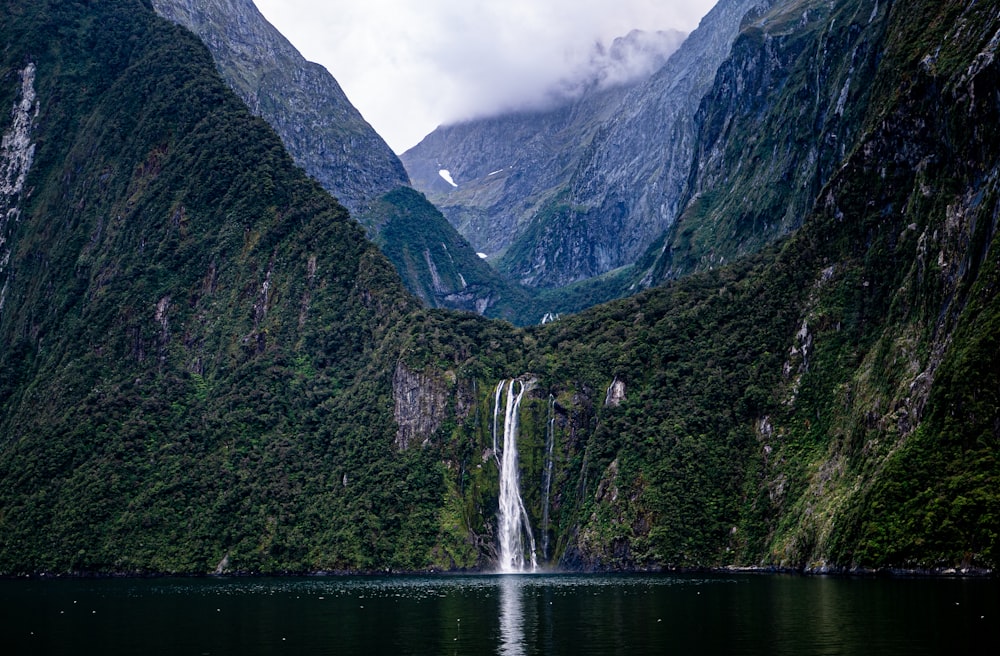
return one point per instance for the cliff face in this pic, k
(17, 152)
(583, 189)
(792, 99)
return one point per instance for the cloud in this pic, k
(410, 66)
(628, 58)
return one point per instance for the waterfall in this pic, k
(512, 516)
(547, 475)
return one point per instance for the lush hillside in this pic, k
(331, 141)
(439, 266)
(204, 365)
(184, 310)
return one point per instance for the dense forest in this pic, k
(205, 366)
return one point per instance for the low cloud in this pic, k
(627, 59)
(412, 66)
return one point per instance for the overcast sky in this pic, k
(411, 65)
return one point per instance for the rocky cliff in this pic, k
(583, 189)
(792, 98)
(322, 130)
(330, 140)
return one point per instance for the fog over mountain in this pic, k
(587, 185)
(626, 60)
(409, 67)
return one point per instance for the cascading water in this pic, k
(512, 520)
(547, 477)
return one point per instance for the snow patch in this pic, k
(446, 174)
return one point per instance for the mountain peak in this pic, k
(322, 130)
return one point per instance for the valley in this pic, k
(777, 330)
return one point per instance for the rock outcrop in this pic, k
(420, 405)
(16, 155)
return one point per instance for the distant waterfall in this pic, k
(512, 516)
(547, 475)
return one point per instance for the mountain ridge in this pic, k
(332, 142)
(205, 366)
(339, 148)
(593, 210)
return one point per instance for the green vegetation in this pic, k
(201, 351)
(436, 263)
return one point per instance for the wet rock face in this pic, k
(615, 394)
(322, 131)
(420, 405)
(783, 113)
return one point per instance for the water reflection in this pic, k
(511, 617)
(743, 615)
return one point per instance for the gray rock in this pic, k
(319, 126)
(564, 194)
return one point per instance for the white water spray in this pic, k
(512, 520)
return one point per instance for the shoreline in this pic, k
(839, 572)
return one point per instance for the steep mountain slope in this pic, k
(183, 309)
(439, 266)
(503, 169)
(205, 367)
(322, 130)
(330, 140)
(585, 188)
(791, 99)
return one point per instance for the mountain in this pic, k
(322, 130)
(506, 165)
(330, 140)
(206, 366)
(576, 191)
(789, 99)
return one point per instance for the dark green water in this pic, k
(531, 614)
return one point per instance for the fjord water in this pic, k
(501, 614)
